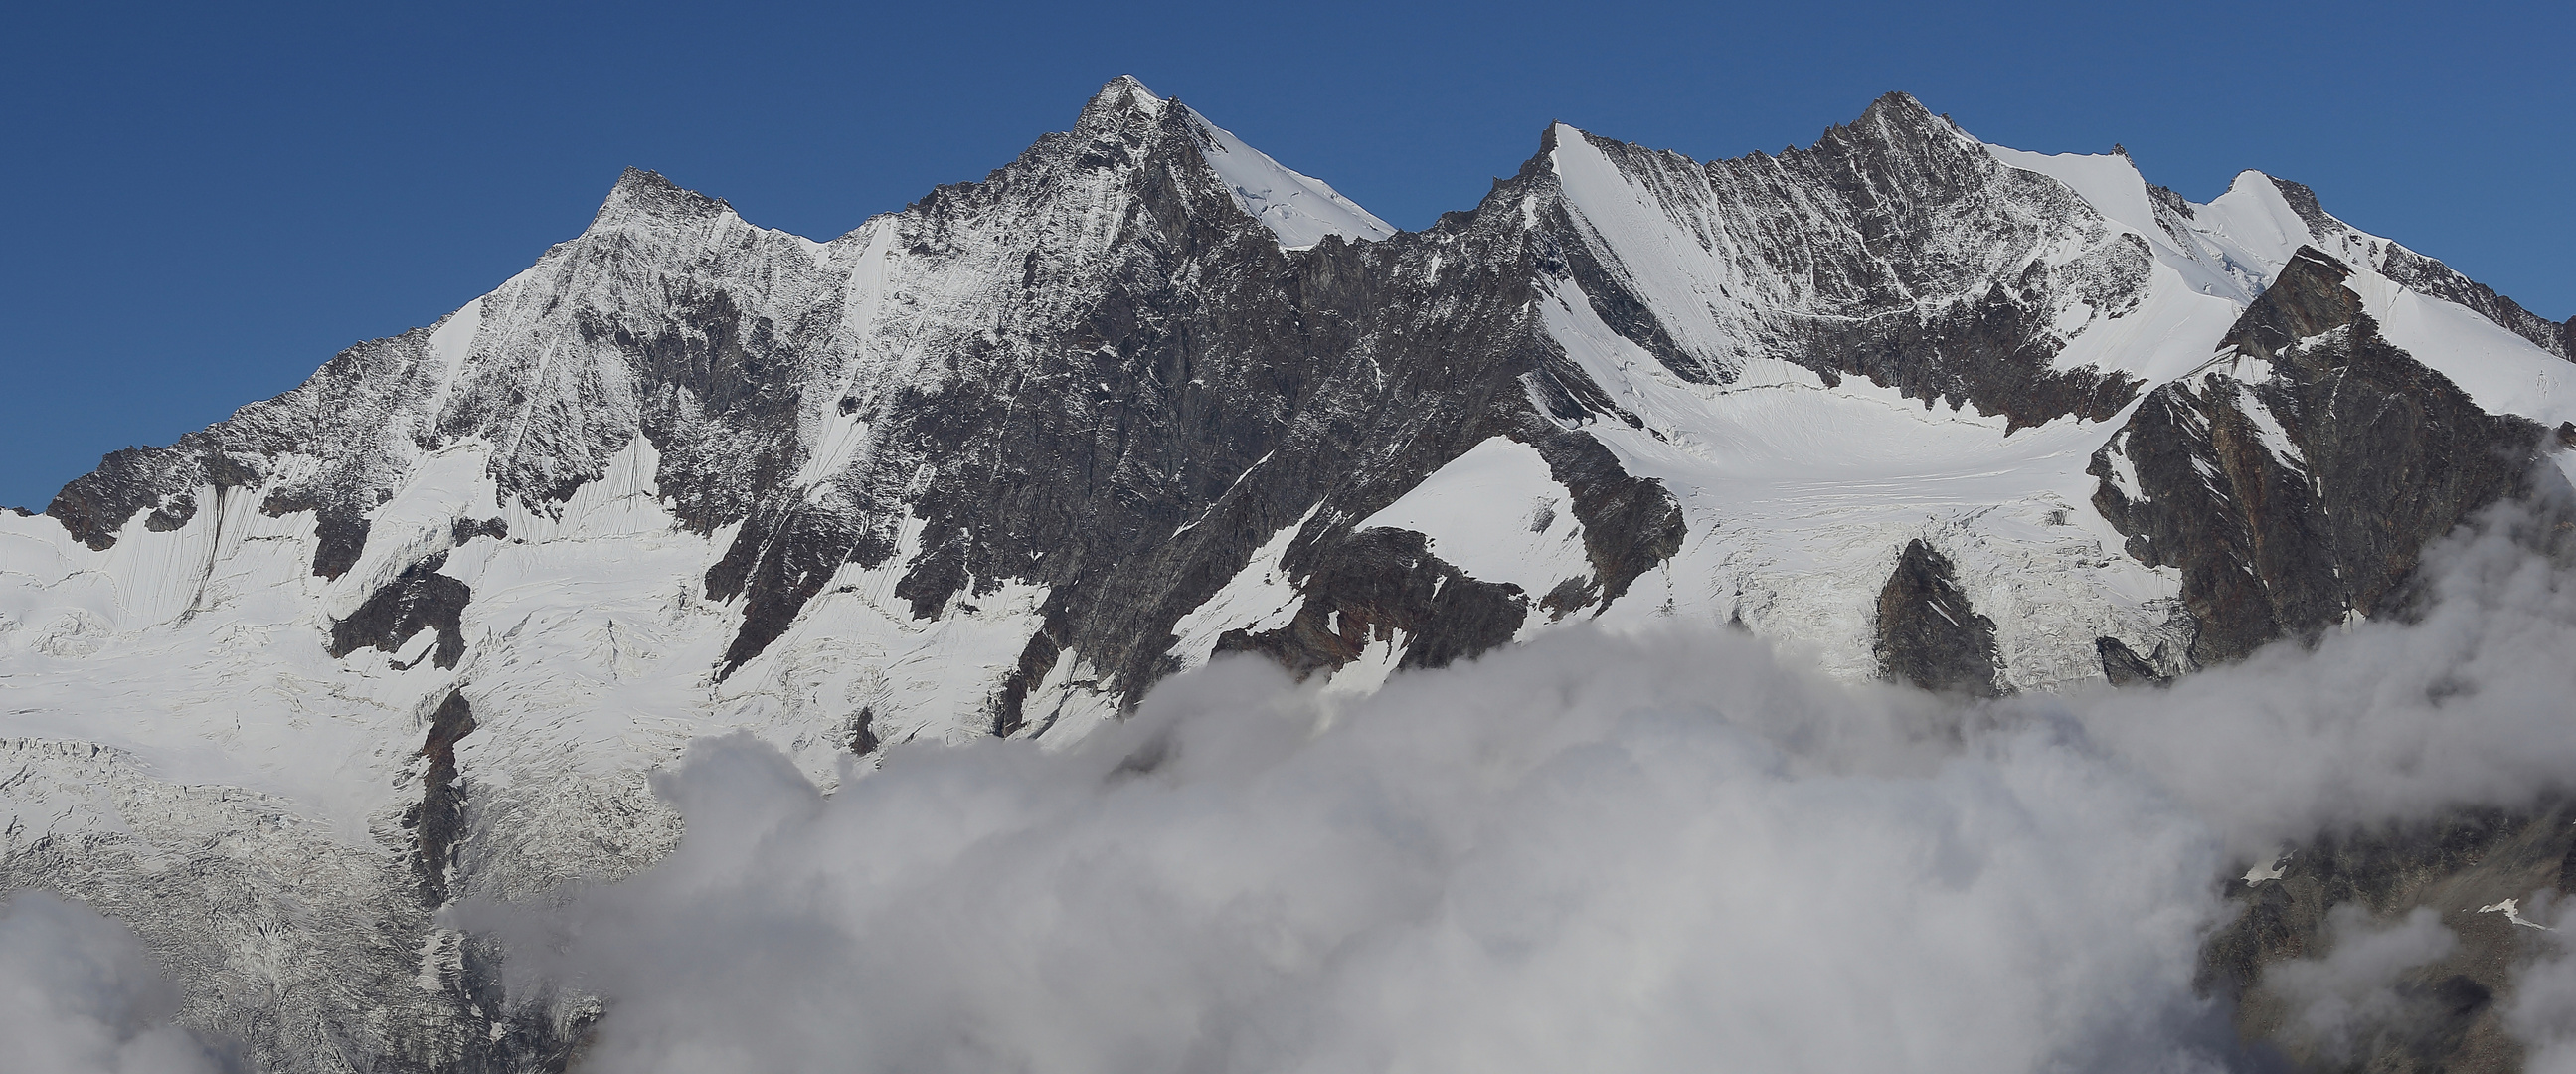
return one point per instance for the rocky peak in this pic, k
(2302, 201)
(1123, 94)
(1895, 118)
(645, 196)
(1119, 124)
(1897, 139)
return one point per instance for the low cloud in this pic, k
(1594, 852)
(2381, 720)
(78, 995)
(1598, 852)
(2542, 1011)
(2356, 986)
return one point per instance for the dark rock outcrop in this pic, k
(418, 599)
(2121, 665)
(1630, 524)
(339, 529)
(437, 821)
(1927, 633)
(339, 538)
(2305, 493)
(467, 529)
(2124, 667)
(1373, 584)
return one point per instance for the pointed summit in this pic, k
(1125, 94)
(641, 194)
(1897, 108)
(1898, 119)
(1127, 122)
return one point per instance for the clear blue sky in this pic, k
(206, 202)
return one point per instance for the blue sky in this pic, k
(207, 203)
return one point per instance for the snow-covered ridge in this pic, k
(1301, 209)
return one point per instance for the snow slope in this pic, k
(1302, 210)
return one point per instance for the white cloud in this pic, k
(1591, 852)
(78, 995)
(2382, 721)
(2542, 1011)
(2354, 987)
(1594, 853)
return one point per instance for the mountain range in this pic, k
(1929, 410)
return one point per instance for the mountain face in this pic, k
(1944, 412)
(2304, 396)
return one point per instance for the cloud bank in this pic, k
(2355, 986)
(2382, 720)
(1597, 852)
(78, 995)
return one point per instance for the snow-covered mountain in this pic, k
(1975, 418)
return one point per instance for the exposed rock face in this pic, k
(1129, 448)
(2296, 478)
(1630, 524)
(417, 600)
(1916, 260)
(439, 820)
(358, 412)
(2449, 1016)
(1927, 633)
(2124, 667)
(1383, 585)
